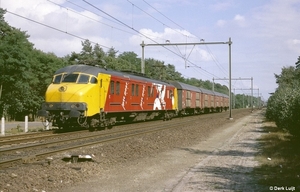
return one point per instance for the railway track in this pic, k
(11, 139)
(13, 156)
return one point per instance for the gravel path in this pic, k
(221, 162)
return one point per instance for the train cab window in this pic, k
(117, 88)
(94, 80)
(70, 78)
(132, 90)
(57, 79)
(112, 87)
(83, 79)
(136, 90)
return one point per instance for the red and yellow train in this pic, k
(92, 97)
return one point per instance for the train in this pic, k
(92, 97)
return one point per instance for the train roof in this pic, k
(221, 94)
(184, 86)
(94, 70)
(207, 91)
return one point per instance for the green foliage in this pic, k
(25, 72)
(284, 104)
(298, 63)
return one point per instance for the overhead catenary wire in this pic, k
(56, 29)
(155, 18)
(115, 22)
(132, 28)
(209, 51)
(163, 15)
(82, 38)
(76, 12)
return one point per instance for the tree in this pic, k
(25, 72)
(287, 77)
(99, 56)
(112, 52)
(284, 105)
(15, 68)
(131, 60)
(298, 63)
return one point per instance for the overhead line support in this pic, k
(143, 45)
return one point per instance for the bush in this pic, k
(284, 109)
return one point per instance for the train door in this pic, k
(188, 99)
(104, 80)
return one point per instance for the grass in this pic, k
(279, 158)
(19, 130)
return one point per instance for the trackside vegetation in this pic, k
(284, 105)
(279, 158)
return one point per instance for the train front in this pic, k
(71, 99)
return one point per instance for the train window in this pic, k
(188, 94)
(136, 90)
(112, 87)
(132, 90)
(70, 78)
(57, 79)
(83, 79)
(94, 80)
(117, 88)
(171, 93)
(150, 92)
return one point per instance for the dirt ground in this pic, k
(221, 161)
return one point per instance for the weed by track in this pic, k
(279, 159)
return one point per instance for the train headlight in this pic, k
(50, 105)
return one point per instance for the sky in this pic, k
(265, 34)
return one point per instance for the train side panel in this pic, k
(131, 95)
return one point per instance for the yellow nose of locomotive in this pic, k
(67, 92)
(73, 92)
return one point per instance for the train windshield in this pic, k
(57, 79)
(74, 78)
(83, 79)
(70, 78)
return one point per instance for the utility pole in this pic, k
(185, 44)
(251, 98)
(143, 58)
(236, 89)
